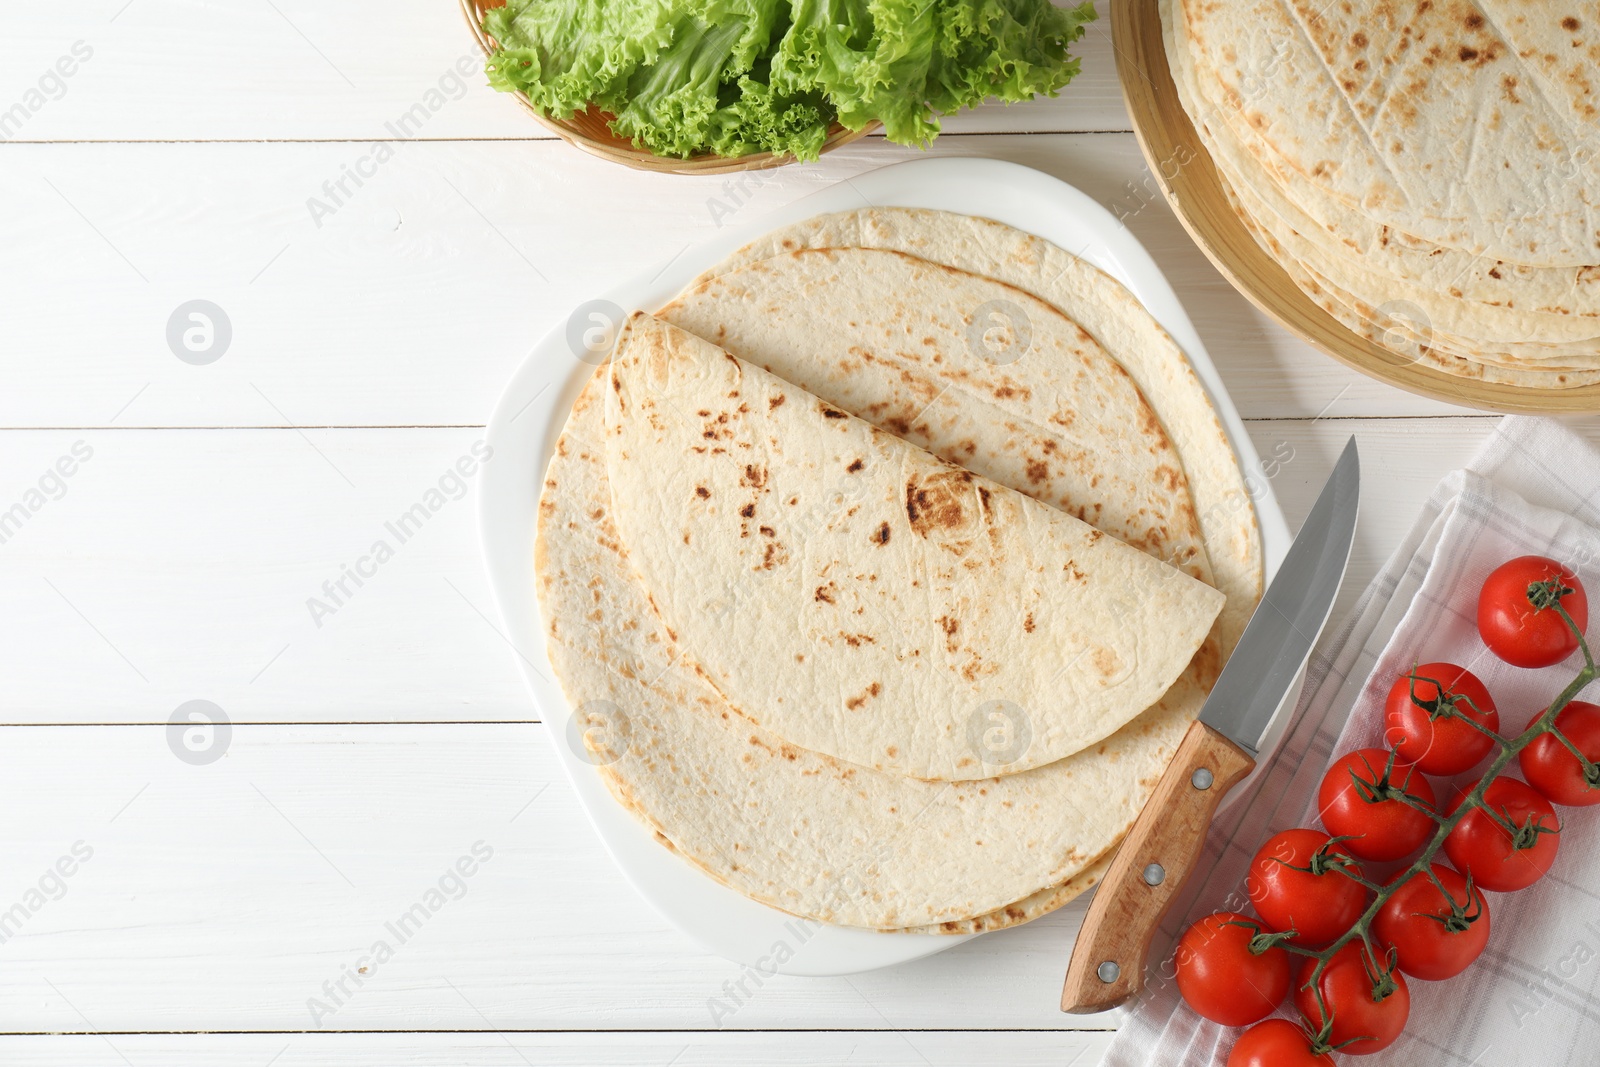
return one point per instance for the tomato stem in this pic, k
(1262, 940)
(1547, 592)
(1591, 770)
(1461, 916)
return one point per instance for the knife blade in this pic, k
(1279, 636)
(1158, 854)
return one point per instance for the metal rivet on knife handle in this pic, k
(1155, 874)
(1108, 971)
(1202, 778)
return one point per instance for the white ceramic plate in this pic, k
(534, 408)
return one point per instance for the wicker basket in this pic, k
(588, 130)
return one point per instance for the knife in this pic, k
(1159, 853)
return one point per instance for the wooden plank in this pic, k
(176, 565)
(414, 299)
(180, 565)
(236, 895)
(659, 1049)
(294, 69)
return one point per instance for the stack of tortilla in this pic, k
(1428, 173)
(890, 562)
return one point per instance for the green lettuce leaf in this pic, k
(738, 76)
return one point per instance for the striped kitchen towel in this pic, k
(1531, 998)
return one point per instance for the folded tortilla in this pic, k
(859, 597)
(804, 832)
(811, 834)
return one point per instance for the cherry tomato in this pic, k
(1427, 727)
(1363, 1001)
(1358, 800)
(1481, 847)
(1296, 886)
(1434, 938)
(1552, 769)
(1222, 978)
(1516, 616)
(1276, 1043)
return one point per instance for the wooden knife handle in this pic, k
(1144, 877)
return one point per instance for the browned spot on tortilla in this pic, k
(767, 531)
(1027, 622)
(856, 701)
(1105, 661)
(882, 534)
(702, 492)
(1570, 24)
(748, 511)
(776, 401)
(855, 465)
(935, 503)
(829, 412)
(1037, 470)
(825, 593)
(1359, 39)
(755, 477)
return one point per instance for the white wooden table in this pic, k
(373, 746)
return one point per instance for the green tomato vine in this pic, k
(1381, 966)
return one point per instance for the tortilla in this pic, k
(1468, 124)
(881, 606)
(752, 314)
(1413, 264)
(800, 831)
(608, 649)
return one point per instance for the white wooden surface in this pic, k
(371, 751)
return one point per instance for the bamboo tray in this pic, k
(1185, 174)
(589, 131)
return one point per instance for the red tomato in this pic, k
(1427, 727)
(1434, 938)
(1369, 1008)
(1358, 800)
(1552, 769)
(1296, 886)
(1481, 847)
(1516, 615)
(1276, 1043)
(1223, 977)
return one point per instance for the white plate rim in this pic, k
(533, 408)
